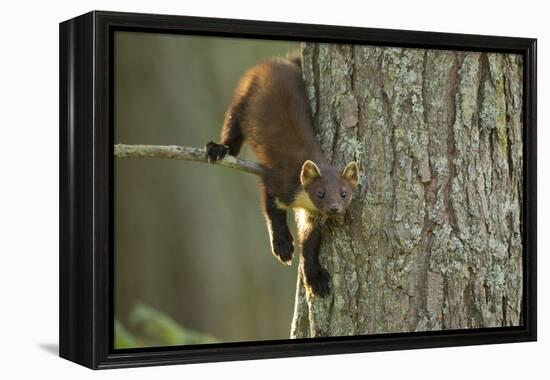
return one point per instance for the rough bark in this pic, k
(433, 238)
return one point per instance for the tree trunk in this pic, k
(432, 239)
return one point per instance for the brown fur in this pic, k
(271, 112)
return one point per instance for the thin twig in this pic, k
(183, 153)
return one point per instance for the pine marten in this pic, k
(270, 111)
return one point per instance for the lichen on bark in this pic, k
(433, 238)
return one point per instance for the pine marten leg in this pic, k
(231, 137)
(282, 243)
(316, 277)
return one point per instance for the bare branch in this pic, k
(183, 153)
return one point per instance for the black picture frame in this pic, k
(86, 196)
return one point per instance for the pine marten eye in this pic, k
(343, 193)
(321, 194)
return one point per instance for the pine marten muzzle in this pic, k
(270, 111)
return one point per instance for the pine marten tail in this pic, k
(295, 56)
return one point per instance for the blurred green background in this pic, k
(192, 255)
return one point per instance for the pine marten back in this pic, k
(270, 111)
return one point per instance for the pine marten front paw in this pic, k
(283, 248)
(215, 152)
(318, 282)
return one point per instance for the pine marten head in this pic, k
(329, 190)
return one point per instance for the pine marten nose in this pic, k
(334, 209)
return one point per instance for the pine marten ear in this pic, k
(310, 171)
(351, 173)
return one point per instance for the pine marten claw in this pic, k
(215, 152)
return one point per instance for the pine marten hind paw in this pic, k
(215, 152)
